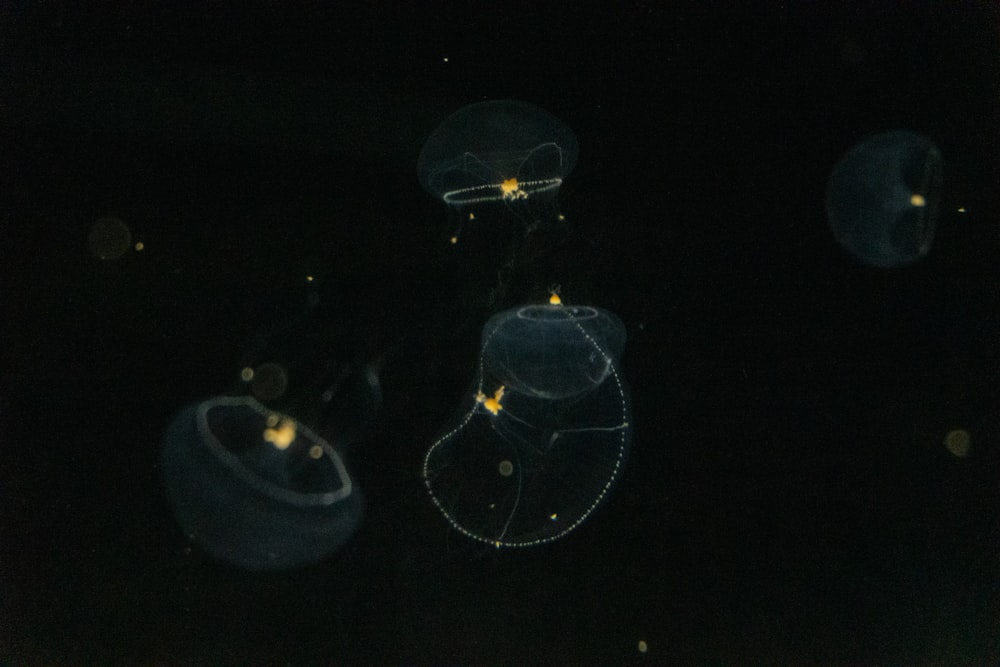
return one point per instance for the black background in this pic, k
(788, 498)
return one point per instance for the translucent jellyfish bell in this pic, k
(543, 435)
(502, 151)
(883, 198)
(255, 488)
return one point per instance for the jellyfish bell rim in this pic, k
(542, 311)
(255, 481)
(481, 194)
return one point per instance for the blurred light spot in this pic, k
(109, 238)
(958, 443)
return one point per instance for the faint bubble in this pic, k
(109, 238)
(958, 443)
(643, 647)
(267, 382)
